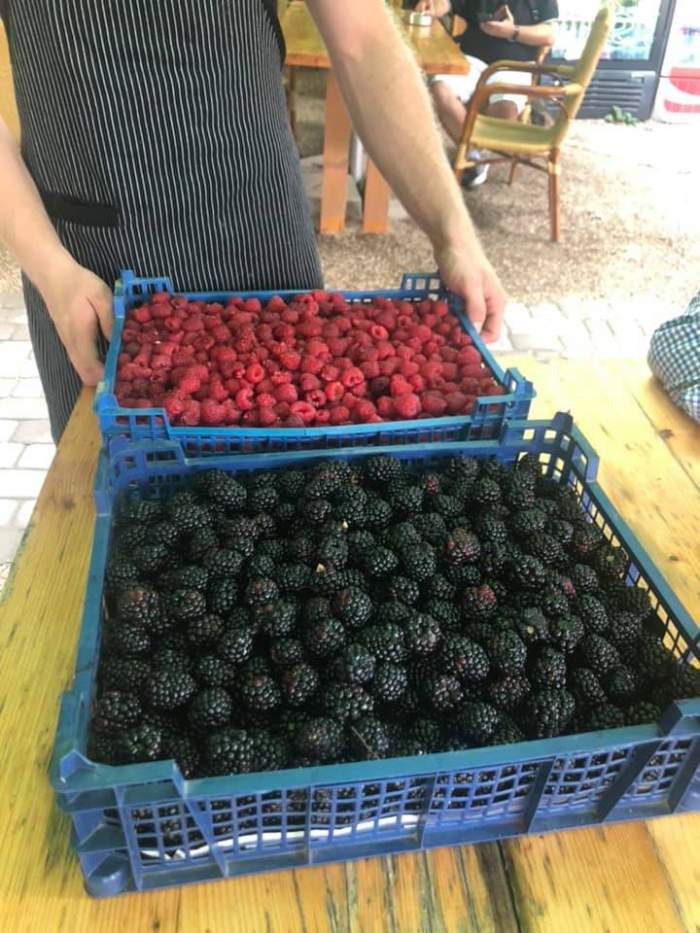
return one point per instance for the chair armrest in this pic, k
(558, 71)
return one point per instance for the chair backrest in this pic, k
(585, 68)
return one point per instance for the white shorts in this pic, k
(464, 85)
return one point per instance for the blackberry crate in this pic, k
(153, 423)
(143, 826)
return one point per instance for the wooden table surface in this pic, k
(629, 877)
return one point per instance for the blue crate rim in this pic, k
(105, 401)
(93, 776)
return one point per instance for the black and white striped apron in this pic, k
(157, 134)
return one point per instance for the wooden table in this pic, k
(435, 53)
(629, 877)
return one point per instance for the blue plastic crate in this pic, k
(142, 827)
(153, 423)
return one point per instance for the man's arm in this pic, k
(78, 301)
(503, 26)
(391, 111)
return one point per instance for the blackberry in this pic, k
(301, 548)
(633, 599)
(554, 603)
(347, 702)
(276, 619)
(639, 714)
(476, 722)
(518, 493)
(185, 605)
(142, 606)
(163, 532)
(401, 535)
(188, 577)
(419, 562)
(350, 506)
(120, 574)
(426, 732)
(593, 613)
(186, 516)
(355, 665)
(141, 743)
(378, 512)
(382, 469)
(491, 530)
(402, 590)
(314, 511)
(202, 541)
(684, 683)
(262, 499)
(210, 708)
(566, 633)
(462, 575)
(478, 603)
(407, 500)
(286, 652)
(507, 653)
(317, 609)
(369, 738)
(529, 522)
(584, 578)
(182, 749)
(236, 645)
(223, 562)
(506, 733)
(299, 683)
(653, 659)
(432, 528)
(586, 687)
(238, 617)
(116, 711)
(285, 515)
(432, 483)
(104, 748)
(390, 682)
(462, 547)
(320, 739)
(622, 685)
(391, 612)
(448, 506)
(559, 582)
(527, 571)
(352, 606)
(325, 638)
(486, 492)
(266, 531)
(422, 633)
(508, 692)
(464, 659)
(141, 511)
(493, 557)
(129, 639)
(259, 692)
(332, 551)
(379, 562)
(222, 596)
(443, 692)
(547, 669)
(568, 503)
(230, 751)
(597, 653)
(532, 626)
(610, 562)
(174, 640)
(546, 713)
(624, 630)
(171, 659)
(386, 642)
(291, 484)
(211, 670)
(223, 489)
(437, 587)
(130, 537)
(205, 630)
(546, 548)
(598, 718)
(562, 531)
(168, 689)
(259, 591)
(126, 675)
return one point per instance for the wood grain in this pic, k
(8, 104)
(336, 140)
(627, 877)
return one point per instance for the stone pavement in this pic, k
(574, 327)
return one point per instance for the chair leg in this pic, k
(554, 170)
(513, 170)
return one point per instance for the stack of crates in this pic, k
(144, 826)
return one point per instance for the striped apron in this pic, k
(157, 134)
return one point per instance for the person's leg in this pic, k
(60, 381)
(449, 108)
(504, 110)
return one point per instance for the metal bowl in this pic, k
(417, 19)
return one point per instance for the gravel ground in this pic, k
(630, 209)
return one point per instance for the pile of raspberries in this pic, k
(317, 360)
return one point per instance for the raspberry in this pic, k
(190, 415)
(399, 386)
(212, 413)
(469, 356)
(378, 332)
(352, 377)
(244, 398)
(265, 400)
(267, 417)
(334, 391)
(364, 410)
(308, 382)
(434, 403)
(302, 410)
(407, 406)
(388, 366)
(329, 373)
(286, 393)
(338, 415)
(456, 403)
(317, 398)
(291, 360)
(369, 368)
(323, 416)
(385, 407)
(311, 364)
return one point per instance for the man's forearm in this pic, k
(541, 34)
(24, 225)
(392, 113)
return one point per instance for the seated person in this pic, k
(674, 358)
(495, 31)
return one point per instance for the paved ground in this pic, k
(572, 327)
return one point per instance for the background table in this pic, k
(435, 53)
(629, 877)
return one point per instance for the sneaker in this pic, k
(473, 177)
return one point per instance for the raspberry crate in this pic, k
(153, 423)
(143, 826)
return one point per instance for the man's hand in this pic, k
(502, 25)
(79, 303)
(470, 275)
(434, 8)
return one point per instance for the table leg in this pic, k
(335, 160)
(375, 210)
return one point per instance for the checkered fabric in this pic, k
(674, 358)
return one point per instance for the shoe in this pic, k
(474, 177)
